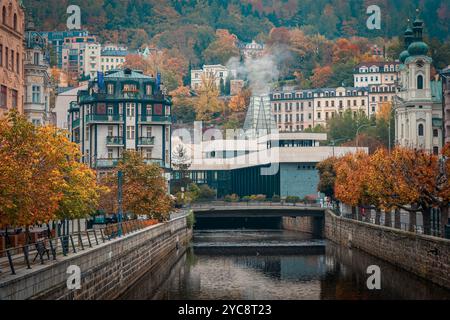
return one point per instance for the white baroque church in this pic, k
(418, 103)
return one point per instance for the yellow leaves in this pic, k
(35, 174)
(402, 178)
(144, 188)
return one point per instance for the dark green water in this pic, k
(276, 264)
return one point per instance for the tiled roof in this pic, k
(132, 75)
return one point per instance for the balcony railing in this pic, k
(157, 161)
(106, 163)
(90, 118)
(146, 141)
(144, 118)
(75, 123)
(110, 140)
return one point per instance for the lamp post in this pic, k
(336, 140)
(119, 200)
(359, 128)
(394, 107)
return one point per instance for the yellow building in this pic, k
(12, 29)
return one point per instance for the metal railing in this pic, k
(49, 249)
(114, 140)
(146, 141)
(207, 204)
(103, 118)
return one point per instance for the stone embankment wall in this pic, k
(425, 256)
(107, 270)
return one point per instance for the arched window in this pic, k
(420, 130)
(15, 22)
(4, 15)
(419, 82)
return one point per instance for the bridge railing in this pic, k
(252, 203)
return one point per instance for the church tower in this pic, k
(418, 109)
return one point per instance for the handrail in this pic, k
(49, 248)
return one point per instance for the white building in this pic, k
(37, 104)
(296, 110)
(128, 113)
(251, 50)
(214, 72)
(418, 104)
(91, 58)
(112, 58)
(62, 105)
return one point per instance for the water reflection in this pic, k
(336, 273)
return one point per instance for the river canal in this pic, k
(276, 264)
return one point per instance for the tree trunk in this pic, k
(412, 221)
(377, 216)
(397, 216)
(368, 215)
(444, 219)
(426, 217)
(387, 219)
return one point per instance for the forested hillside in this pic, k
(195, 21)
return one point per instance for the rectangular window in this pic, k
(148, 153)
(148, 90)
(318, 115)
(110, 153)
(87, 133)
(362, 102)
(149, 132)
(110, 110)
(3, 97)
(110, 131)
(12, 60)
(7, 58)
(14, 98)
(110, 88)
(130, 109)
(1, 55)
(130, 132)
(36, 92)
(36, 58)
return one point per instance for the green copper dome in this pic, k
(418, 48)
(403, 56)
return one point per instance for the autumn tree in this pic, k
(327, 176)
(41, 178)
(208, 102)
(321, 76)
(222, 48)
(144, 188)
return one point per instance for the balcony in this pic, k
(106, 163)
(114, 141)
(103, 118)
(150, 119)
(146, 141)
(152, 161)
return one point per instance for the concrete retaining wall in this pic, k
(425, 256)
(107, 270)
(312, 225)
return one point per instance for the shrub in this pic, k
(292, 199)
(232, 198)
(207, 193)
(190, 219)
(276, 198)
(258, 197)
(246, 198)
(309, 199)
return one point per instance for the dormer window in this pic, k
(110, 88)
(148, 89)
